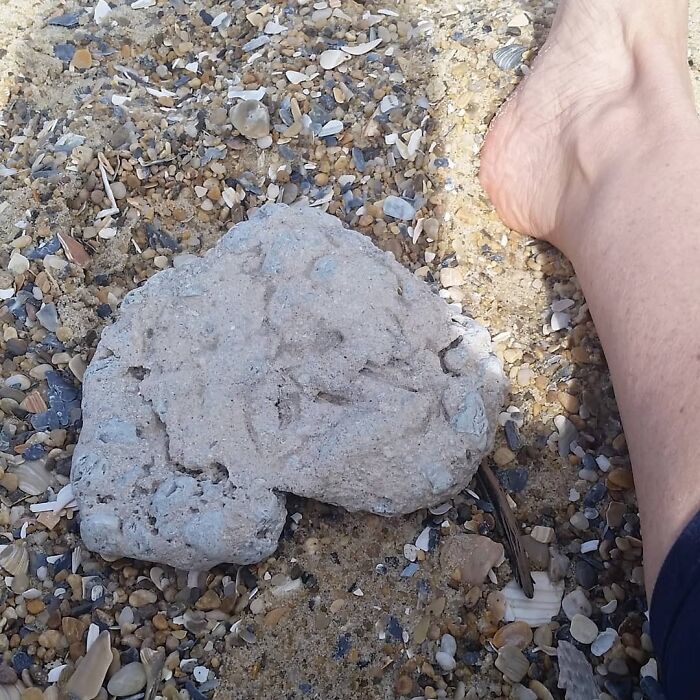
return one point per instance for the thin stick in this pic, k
(509, 528)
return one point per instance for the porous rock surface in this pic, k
(295, 357)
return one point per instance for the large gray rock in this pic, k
(295, 357)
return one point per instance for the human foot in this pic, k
(608, 70)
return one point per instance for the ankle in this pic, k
(618, 138)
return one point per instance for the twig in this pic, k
(509, 528)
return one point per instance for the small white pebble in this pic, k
(445, 661)
(589, 546)
(448, 644)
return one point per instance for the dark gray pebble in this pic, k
(620, 688)
(342, 646)
(70, 19)
(394, 631)
(15, 347)
(586, 576)
(512, 436)
(20, 661)
(514, 480)
(651, 688)
(595, 494)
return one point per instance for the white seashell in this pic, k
(559, 321)
(650, 668)
(423, 540)
(102, 9)
(255, 95)
(334, 126)
(604, 642)
(55, 673)
(332, 58)
(360, 49)
(295, 77)
(63, 498)
(33, 478)
(275, 28)
(609, 607)
(14, 559)
(538, 610)
(388, 103)
(18, 381)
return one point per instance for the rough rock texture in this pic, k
(294, 357)
(469, 558)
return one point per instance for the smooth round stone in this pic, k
(448, 644)
(518, 634)
(576, 603)
(586, 575)
(445, 661)
(583, 629)
(128, 680)
(579, 521)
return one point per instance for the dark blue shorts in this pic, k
(675, 617)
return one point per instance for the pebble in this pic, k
(119, 190)
(503, 456)
(448, 644)
(445, 661)
(542, 534)
(470, 557)
(520, 692)
(82, 59)
(518, 634)
(128, 680)
(209, 601)
(7, 675)
(398, 208)
(537, 552)
(18, 264)
(576, 603)
(620, 479)
(586, 576)
(86, 681)
(141, 597)
(512, 663)
(540, 690)
(614, 514)
(48, 317)
(583, 629)
(579, 521)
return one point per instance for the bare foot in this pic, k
(575, 114)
